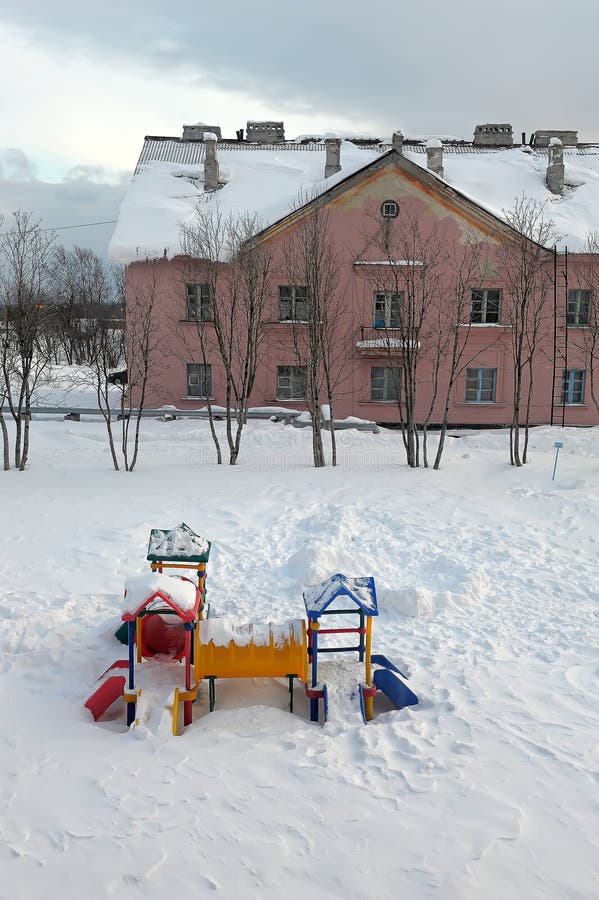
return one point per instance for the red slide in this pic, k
(109, 690)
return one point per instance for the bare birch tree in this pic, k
(26, 258)
(311, 266)
(3, 425)
(108, 352)
(467, 267)
(525, 263)
(3, 386)
(83, 292)
(408, 277)
(200, 341)
(237, 266)
(137, 352)
(145, 352)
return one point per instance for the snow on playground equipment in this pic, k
(152, 599)
(319, 602)
(227, 649)
(157, 595)
(166, 617)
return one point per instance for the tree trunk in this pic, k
(411, 445)
(515, 426)
(115, 461)
(5, 444)
(228, 417)
(443, 432)
(26, 432)
(527, 415)
(18, 431)
(219, 456)
(333, 438)
(136, 440)
(441, 446)
(317, 448)
(515, 444)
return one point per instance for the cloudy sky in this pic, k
(81, 84)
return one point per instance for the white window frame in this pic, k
(481, 385)
(484, 316)
(386, 309)
(295, 297)
(389, 209)
(291, 382)
(573, 386)
(578, 313)
(199, 300)
(199, 380)
(384, 381)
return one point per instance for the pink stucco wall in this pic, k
(352, 216)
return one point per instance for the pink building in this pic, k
(402, 225)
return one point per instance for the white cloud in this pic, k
(94, 111)
(84, 196)
(434, 67)
(87, 82)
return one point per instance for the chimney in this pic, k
(541, 137)
(434, 156)
(210, 162)
(333, 160)
(196, 132)
(397, 141)
(265, 132)
(555, 166)
(493, 135)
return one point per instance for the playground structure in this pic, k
(319, 601)
(167, 618)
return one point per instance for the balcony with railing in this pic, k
(380, 335)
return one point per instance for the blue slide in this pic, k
(389, 682)
(379, 660)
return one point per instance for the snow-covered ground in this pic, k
(488, 598)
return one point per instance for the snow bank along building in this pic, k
(388, 204)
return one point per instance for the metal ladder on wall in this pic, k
(560, 338)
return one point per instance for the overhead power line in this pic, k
(81, 225)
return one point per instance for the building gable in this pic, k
(394, 177)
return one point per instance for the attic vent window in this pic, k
(389, 209)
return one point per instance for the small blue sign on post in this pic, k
(558, 445)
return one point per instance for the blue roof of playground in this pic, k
(359, 590)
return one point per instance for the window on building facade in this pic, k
(199, 302)
(485, 306)
(291, 382)
(384, 382)
(293, 303)
(386, 309)
(579, 307)
(389, 209)
(481, 385)
(199, 380)
(573, 386)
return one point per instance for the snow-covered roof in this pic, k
(267, 180)
(179, 544)
(360, 590)
(262, 179)
(142, 591)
